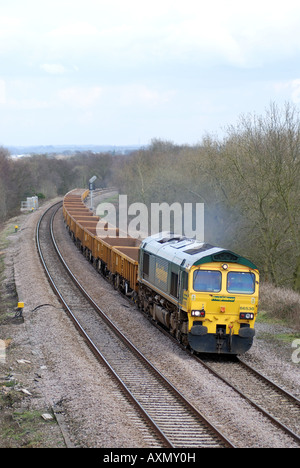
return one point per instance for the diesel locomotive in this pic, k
(205, 296)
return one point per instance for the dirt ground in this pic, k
(22, 405)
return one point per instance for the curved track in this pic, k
(278, 405)
(174, 421)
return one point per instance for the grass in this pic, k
(24, 429)
(288, 337)
(279, 305)
(8, 299)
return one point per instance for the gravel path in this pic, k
(63, 374)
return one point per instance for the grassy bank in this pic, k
(280, 306)
(8, 297)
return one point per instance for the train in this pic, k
(204, 296)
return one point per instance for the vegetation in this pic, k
(8, 297)
(20, 427)
(279, 305)
(46, 176)
(249, 182)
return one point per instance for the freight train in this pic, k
(205, 296)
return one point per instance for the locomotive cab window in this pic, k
(239, 282)
(146, 261)
(174, 285)
(207, 281)
(185, 280)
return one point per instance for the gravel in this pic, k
(63, 374)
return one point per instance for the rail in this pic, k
(171, 437)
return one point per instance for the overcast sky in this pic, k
(123, 72)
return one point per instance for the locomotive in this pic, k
(205, 296)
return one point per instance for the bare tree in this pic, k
(264, 166)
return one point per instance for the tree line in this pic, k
(46, 176)
(248, 181)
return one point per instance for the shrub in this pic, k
(280, 303)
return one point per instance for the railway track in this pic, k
(275, 403)
(173, 419)
(278, 405)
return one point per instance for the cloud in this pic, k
(76, 28)
(237, 33)
(9, 25)
(31, 104)
(170, 32)
(53, 68)
(139, 94)
(168, 63)
(115, 96)
(2, 92)
(291, 87)
(295, 89)
(80, 96)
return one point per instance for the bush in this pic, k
(280, 303)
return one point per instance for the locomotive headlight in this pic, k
(225, 266)
(246, 316)
(198, 313)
